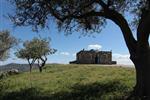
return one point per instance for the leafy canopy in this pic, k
(6, 42)
(73, 15)
(35, 49)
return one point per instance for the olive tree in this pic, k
(7, 41)
(91, 16)
(35, 50)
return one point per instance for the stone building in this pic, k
(93, 57)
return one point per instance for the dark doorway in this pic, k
(96, 60)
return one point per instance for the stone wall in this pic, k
(86, 58)
(94, 57)
(105, 57)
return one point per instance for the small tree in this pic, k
(6, 42)
(35, 50)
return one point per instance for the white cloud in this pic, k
(94, 46)
(122, 59)
(65, 53)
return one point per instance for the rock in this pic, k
(13, 72)
(8, 73)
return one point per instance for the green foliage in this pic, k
(6, 42)
(74, 15)
(35, 49)
(70, 82)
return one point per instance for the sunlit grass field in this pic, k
(70, 82)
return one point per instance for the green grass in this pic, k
(70, 82)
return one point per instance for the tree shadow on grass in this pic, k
(113, 90)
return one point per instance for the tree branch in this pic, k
(119, 20)
(61, 17)
(127, 33)
(143, 30)
(104, 6)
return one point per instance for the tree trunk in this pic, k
(43, 62)
(142, 66)
(30, 68)
(30, 65)
(40, 69)
(142, 61)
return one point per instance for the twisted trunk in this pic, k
(139, 51)
(141, 58)
(31, 63)
(40, 69)
(142, 66)
(42, 64)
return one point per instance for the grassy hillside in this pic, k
(69, 82)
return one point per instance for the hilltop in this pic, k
(70, 82)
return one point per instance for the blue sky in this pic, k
(109, 39)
